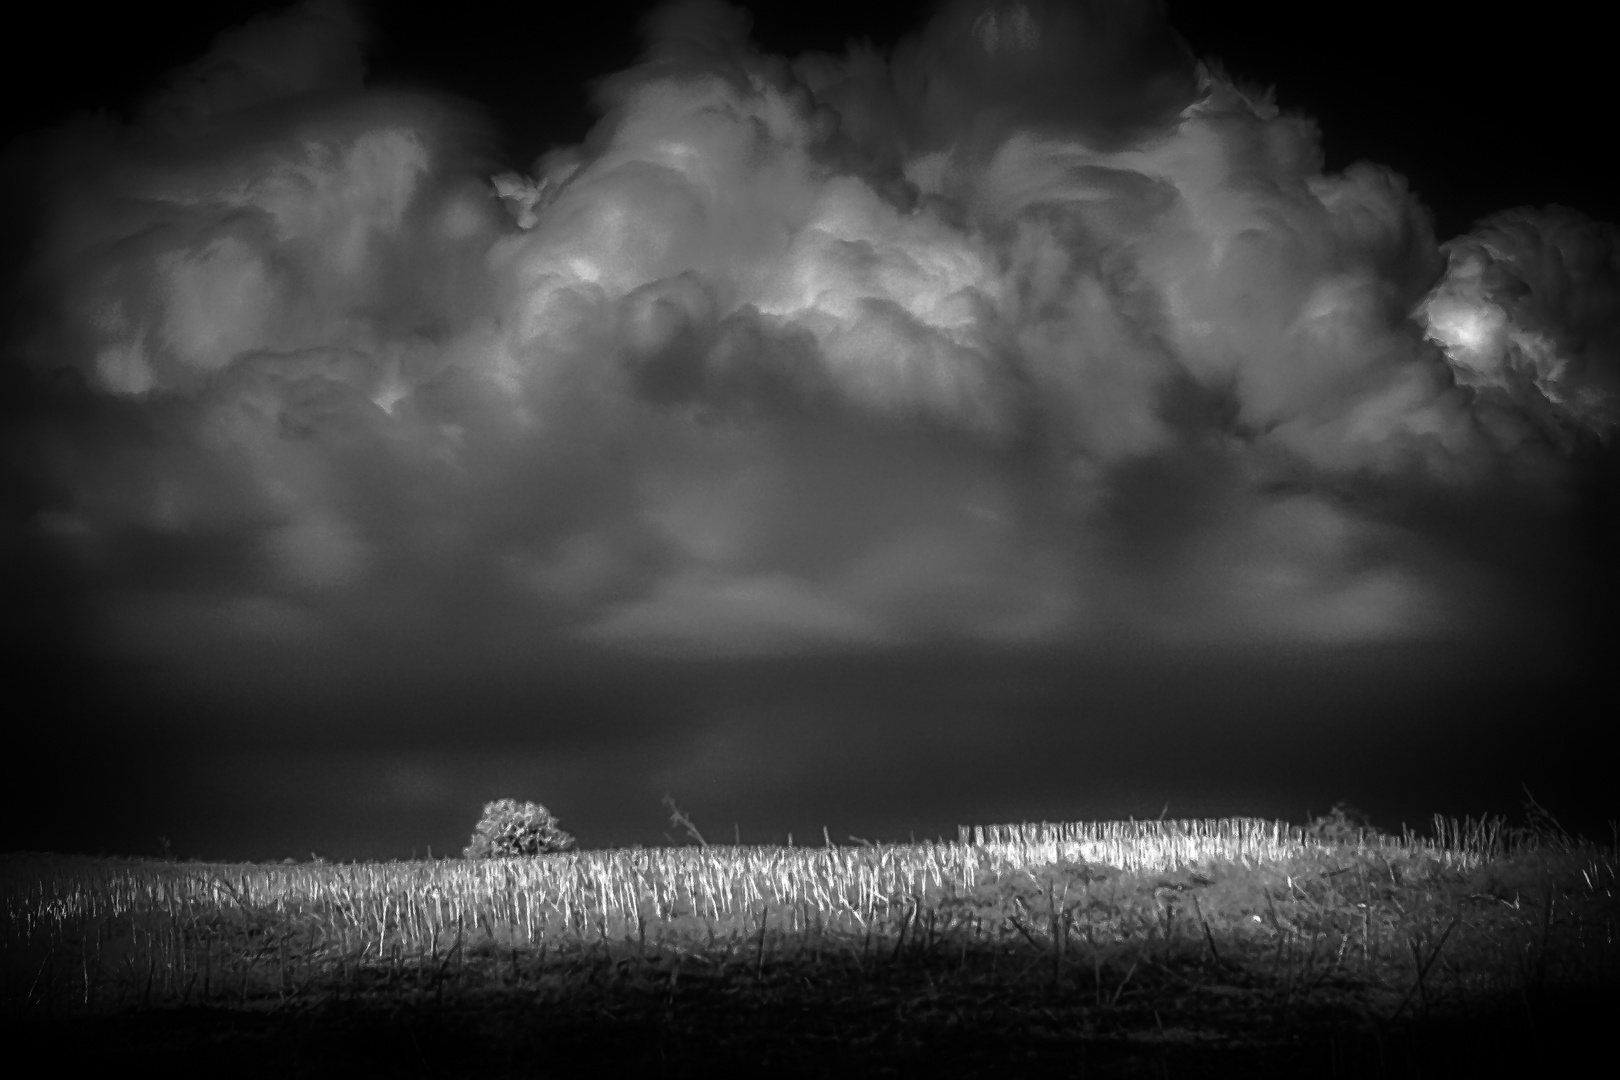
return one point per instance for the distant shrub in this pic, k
(1343, 824)
(510, 828)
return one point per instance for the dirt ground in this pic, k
(800, 1020)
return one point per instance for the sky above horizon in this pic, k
(1028, 412)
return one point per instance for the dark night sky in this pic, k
(1200, 482)
(1480, 111)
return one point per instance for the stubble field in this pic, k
(1112, 949)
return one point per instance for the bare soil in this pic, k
(928, 1015)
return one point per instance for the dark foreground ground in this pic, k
(887, 1019)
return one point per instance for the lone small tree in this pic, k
(1343, 824)
(510, 828)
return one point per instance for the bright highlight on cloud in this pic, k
(1529, 316)
(1036, 332)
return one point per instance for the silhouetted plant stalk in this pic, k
(1332, 907)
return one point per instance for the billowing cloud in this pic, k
(1529, 316)
(1036, 332)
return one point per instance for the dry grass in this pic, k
(1249, 906)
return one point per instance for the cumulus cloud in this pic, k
(1529, 316)
(851, 352)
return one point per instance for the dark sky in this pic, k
(1481, 111)
(1012, 418)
